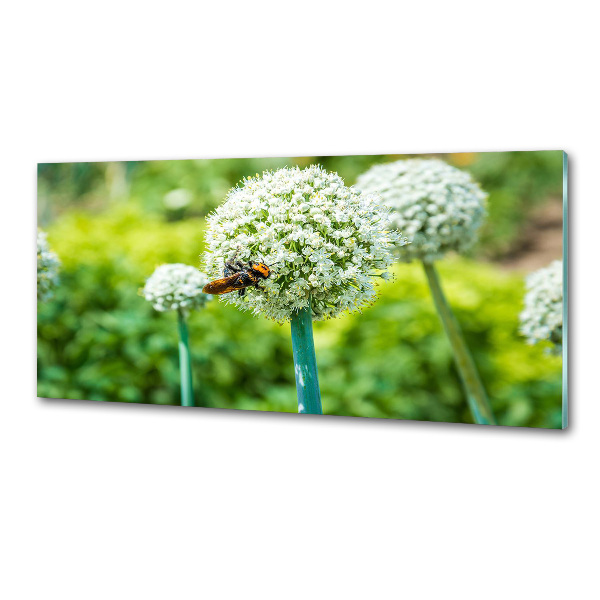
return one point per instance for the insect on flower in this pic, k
(238, 276)
(331, 243)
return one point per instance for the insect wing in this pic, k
(224, 285)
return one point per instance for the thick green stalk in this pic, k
(185, 363)
(476, 396)
(305, 363)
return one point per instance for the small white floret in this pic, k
(47, 268)
(541, 320)
(176, 287)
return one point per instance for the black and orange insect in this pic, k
(238, 276)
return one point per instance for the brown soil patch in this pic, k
(541, 242)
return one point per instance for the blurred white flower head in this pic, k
(541, 320)
(327, 243)
(177, 199)
(176, 287)
(437, 206)
(47, 268)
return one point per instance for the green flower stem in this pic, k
(305, 363)
(476, 396)
(185, 363)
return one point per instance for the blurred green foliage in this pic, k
(517, 182)
(100, 340)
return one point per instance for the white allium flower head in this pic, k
(541, 320)
(47, 268)
(437, 206)
(175, 287)
(327, 243)
(176, 199)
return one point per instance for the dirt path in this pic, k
(541, 242)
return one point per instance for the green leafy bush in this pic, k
(100, 340)
(517, 183)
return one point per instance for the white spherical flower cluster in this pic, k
(541, 320)
(176, 287)
(437, 206)
(47, 268)
(327, 243)
(178, 199)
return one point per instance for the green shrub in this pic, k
(517, 183)
(100, 340)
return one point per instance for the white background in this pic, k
(127, 502)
